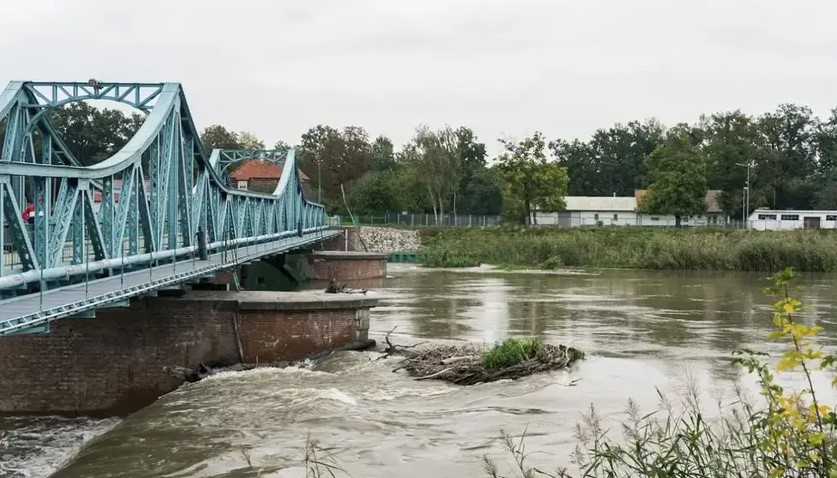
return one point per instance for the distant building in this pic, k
(259, 175)
(622, 211)
(773, 220)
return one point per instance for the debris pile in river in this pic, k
(469, 365)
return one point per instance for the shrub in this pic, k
(511, 352)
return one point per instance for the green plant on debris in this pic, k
(511, 352)
(794, 434)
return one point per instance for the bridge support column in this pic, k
(345, 266)
(114, 364)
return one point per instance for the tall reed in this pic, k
(701, 249)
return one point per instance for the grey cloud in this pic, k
(505, 68)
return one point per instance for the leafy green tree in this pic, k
(375, 192)
(612, 162)
(678, 171)
(786, 138)
(383, 154)
(249, 140)
(729, 142)
(218, 137)
(93, 134)
(826, 195)
(534, 182)
(282, 145)
(580, 160)
(433, 159)
(482, 194)
(479, 190)
(337, 158)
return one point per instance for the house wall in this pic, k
(622, 218)
(763, 220)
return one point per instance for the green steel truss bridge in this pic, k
(157, 213)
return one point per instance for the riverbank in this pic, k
(632, 248)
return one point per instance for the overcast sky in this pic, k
(505, 68)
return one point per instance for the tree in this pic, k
(479, 190)
(786, 139)
(729, 142)
(333, 158)
(93, 134)
(612, 162)
(678, 171)
(436, 165)
(482, 193)
(375, 192)
(281, 145)
(218, 137)
(537, 184)
(383, 154)
(248, 140)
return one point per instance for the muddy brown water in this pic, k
(641, 330)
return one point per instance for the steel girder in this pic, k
(152, 195)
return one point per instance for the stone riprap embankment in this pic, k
(387, 240)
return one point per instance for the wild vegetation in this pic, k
(674, 249)
(792, 434)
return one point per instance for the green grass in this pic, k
(511, 352)
(633, 248)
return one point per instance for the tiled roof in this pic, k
(257, 168)
(260, 169)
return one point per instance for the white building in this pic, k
(772, 220)
(584, 211)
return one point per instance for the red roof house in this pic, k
(260, 175)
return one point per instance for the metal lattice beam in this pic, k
(108, 214)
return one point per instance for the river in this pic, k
(641, 330)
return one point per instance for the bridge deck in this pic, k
(34, 310)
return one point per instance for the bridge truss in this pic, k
(142, 208)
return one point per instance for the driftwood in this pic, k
(393, 349)
(463, 365)
(335, 287)
(188, 374)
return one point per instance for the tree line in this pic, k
(793, 155)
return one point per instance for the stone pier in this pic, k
(345, 266)
(114, 364)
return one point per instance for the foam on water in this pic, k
(36, 447)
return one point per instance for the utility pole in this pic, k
(746, 192)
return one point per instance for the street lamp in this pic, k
(746, 192)
(745, 206)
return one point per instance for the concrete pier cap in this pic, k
(346, 265)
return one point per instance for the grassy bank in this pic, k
(685, 249)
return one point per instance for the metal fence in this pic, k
(473, 220)
(420, 220)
